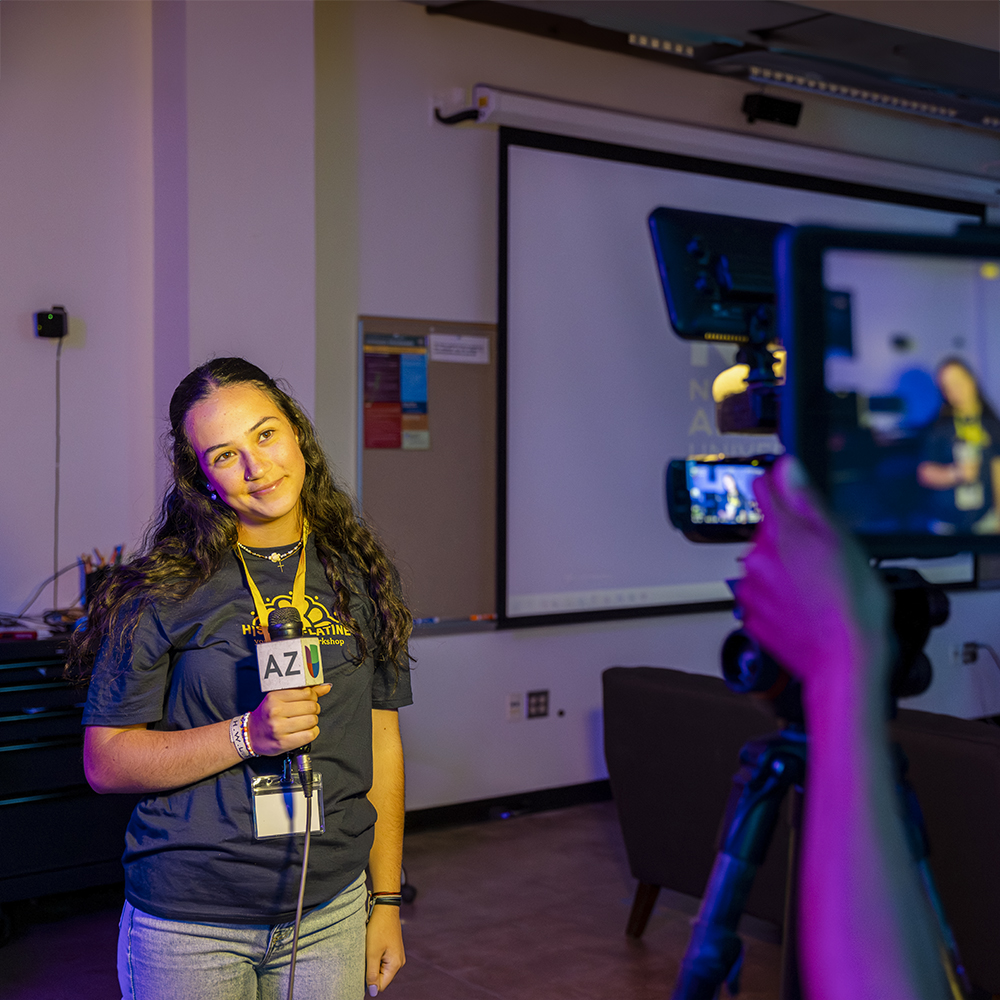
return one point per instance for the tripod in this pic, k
(775, 764)
(771, 766)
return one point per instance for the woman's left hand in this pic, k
(383, 948)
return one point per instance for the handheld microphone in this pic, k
(284, 626)
(287, 660)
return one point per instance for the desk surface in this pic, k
(14, 650)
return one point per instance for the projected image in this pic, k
(912, 370)
(722, 493)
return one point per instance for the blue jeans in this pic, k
(162, 959)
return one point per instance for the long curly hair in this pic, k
(193, 533)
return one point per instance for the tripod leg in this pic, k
(916, 835)
(791, 987)
(714, 950)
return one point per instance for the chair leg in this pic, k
(642, 907)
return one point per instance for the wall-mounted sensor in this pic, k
(51, 322)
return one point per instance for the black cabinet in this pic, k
(56, 834)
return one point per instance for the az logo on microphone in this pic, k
(289, 663)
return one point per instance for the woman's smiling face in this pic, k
(249, 452)
(959, 388)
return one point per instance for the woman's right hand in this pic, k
(286, 720)
(942, 476)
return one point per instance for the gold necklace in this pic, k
(274, 557)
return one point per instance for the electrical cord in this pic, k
(468, 115)
(55, 529)
(28, 621)
(989, 649)
(51, 619)
(34, 597)
(287, 623)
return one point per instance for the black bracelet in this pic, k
(388, 898)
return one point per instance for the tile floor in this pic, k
(529, 907)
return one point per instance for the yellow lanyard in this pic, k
(298, 587)
(971, 430)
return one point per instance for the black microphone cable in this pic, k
(286, 623)
(302, 890)
(304, 764)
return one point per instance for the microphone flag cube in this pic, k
(289, 663)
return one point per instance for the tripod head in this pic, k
(917, 607)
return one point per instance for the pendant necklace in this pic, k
(274, 557)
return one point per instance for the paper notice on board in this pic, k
(458, 347)
(383, 425)
(416, 432)
(413, 378)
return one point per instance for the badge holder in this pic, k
(279, 805)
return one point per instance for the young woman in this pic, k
(963, 455)
(175, 711)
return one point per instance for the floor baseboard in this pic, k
(506, 806)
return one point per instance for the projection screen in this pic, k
(597, 393)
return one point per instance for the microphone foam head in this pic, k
(284, 623)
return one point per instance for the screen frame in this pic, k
(510, 137)
(799, 257)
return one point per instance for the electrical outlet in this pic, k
(538, 704)
(513, 709)
(964, 653)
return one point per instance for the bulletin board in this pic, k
(428, 466)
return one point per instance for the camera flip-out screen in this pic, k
(894, 375)
(722, 493)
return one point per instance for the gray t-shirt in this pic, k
(190, 854)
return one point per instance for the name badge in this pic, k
(279, 806)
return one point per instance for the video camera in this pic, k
(893, 356)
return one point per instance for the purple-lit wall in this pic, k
(156, 178)
(76, 225)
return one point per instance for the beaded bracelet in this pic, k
(239, 734)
